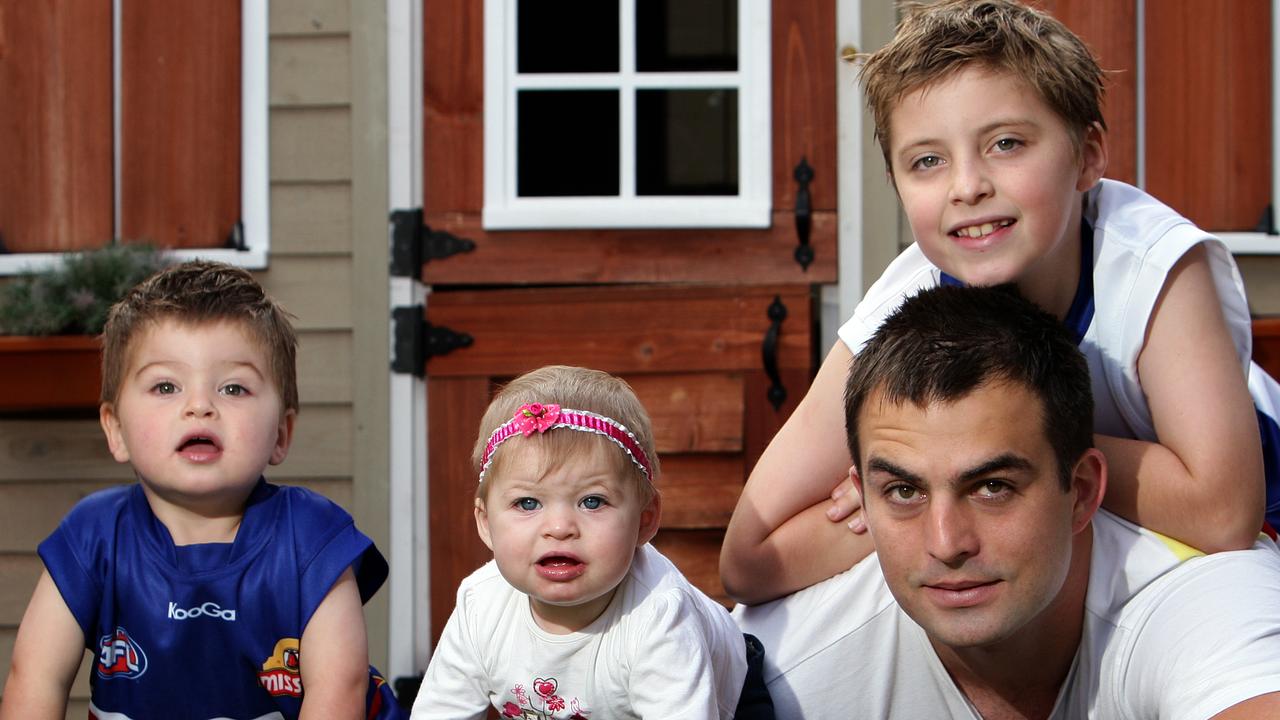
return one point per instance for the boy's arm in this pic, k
(780, 539)
(1203, 482)
(46, 655)
(334, 655)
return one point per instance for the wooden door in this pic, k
(682, 314)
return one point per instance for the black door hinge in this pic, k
(415, 341)
(414, 243)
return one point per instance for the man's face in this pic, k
(970, 522)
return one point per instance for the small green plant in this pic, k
(74, 297)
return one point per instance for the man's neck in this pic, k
(1022, 676)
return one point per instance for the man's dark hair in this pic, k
(945, 342)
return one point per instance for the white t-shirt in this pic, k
(662, 649)
(1163, 638)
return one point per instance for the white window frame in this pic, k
(255, 186)
(751, 207)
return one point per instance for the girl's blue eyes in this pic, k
(234, 390)
(591, 502)
(165, 388)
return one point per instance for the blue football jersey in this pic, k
(208, 630)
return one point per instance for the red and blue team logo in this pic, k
(120, 657)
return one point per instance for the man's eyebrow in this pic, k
(877, 464)
(999, 463)
(1006, 461)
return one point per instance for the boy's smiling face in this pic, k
(565, 539)
(198, 416)
(991, 181)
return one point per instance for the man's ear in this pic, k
(1093, 157)
(110, 422)
(284, 437)
(650, 519)
(1089, 483)
(482, 523)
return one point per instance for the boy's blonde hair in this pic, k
(937, 40)
(580, 389)
(194, 292)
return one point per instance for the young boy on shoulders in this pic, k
(203, 590)
(989, 116)
(577, 615)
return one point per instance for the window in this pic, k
(92, 166)
(627, 114)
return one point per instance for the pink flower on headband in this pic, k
(533, 417)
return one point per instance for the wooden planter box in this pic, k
(49, 373)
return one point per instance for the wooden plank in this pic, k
(321, 444)
(626, 329)
(310, 219)
(697, 554)
(324, 367)
(700, 491)
(46, 450)
(30, 511)
(1110, 29)
(310, 71)
(55, 191)
(692, 412)
(640, 255)
(18, 575)
(804, 100)
(1209, 111)
(317, 290)
(453, 106)
(310, 144)
(306, 17)
(180, 125)
(453, 414)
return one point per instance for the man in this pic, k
(999, 589)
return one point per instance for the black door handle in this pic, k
(777, 394)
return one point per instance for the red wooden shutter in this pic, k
(55, 124)
(180, 134)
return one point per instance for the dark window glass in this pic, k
(578, 36)
(686, 35)
(687, 142)
(567, 143)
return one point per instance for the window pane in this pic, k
(687, 142)
(686, 35)
(567, 143)
(567, 36)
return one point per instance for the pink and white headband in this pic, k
(536, 417)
